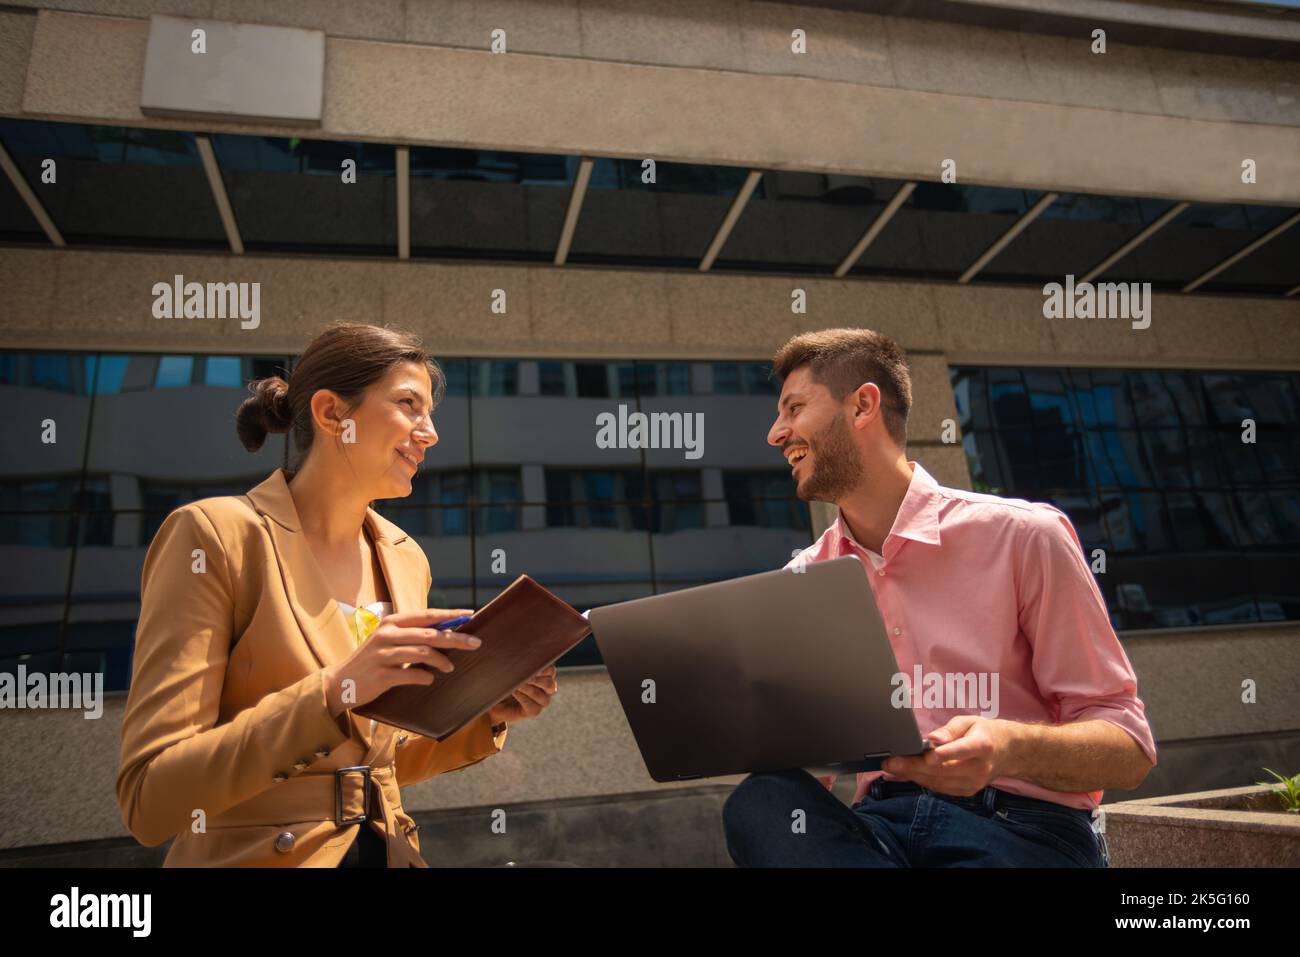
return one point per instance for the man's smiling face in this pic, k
(813, 433)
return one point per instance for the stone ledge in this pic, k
(1173, 831)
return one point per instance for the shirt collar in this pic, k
(917, 518)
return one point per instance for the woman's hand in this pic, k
(528, 700)
(383, 660)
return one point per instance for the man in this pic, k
(966, 583)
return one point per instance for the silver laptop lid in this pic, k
(782, 669)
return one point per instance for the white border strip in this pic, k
(218, 187)
(729, 221)
(875, 228)
(575, 208)
(1005, 239)
(1243, 253)
(33, 203)
(1158, 224)
(403, 178)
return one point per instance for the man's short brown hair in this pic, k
(843, 359)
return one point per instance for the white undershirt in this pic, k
(380, 608)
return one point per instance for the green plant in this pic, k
(1288, 792)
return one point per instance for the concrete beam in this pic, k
(409, 94)
(83, 299)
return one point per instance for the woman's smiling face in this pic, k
(394, 429)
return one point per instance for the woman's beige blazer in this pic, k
(227, 743)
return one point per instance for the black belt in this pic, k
(368, 850)
(880, 788)
(992, 798)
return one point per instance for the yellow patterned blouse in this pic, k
(364, 620)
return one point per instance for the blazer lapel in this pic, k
(405, 592)
(316, 610)
(318, 614)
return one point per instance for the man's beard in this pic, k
(836, 467)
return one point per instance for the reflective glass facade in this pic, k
(105, 445)
(297, 195)
(488, 204)
(669, 222)
(115, 185)
(1199, 517)
(147, 188)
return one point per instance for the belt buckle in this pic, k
(364, 770)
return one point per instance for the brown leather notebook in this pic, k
(523, 629)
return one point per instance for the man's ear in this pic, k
(866, 404)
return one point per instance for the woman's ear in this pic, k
(327, 411)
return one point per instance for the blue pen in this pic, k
(452, 624)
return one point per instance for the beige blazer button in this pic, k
(284, 842)
(280, 777)
(322, 752)
(302, 764)
(401, 740)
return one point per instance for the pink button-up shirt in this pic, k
(976, 583)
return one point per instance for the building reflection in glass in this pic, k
(1198, 526)
(516, 484)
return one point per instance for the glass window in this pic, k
(1074, 233)
(551, 378)
(46, 397)
(297, 195)
(592, 379)
(668, 222)
(116, 185)
(529, 492)
(726, 378)
(1204, 235)
(173, 371)
(223, 370)
(146, 441)
(488, 203)
(663, 379)
(457, 375)
(803, 221)
(765, 499)
(942, 228)
(1156, 468)
(17, 224)
(494, 377)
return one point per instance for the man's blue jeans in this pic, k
(899, 824)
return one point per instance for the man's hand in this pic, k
(528, 700)
(969, 752)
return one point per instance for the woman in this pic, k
(237, 738)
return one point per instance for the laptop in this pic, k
(777, 670)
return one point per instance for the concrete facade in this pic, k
(698, 82)
(710, 81)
